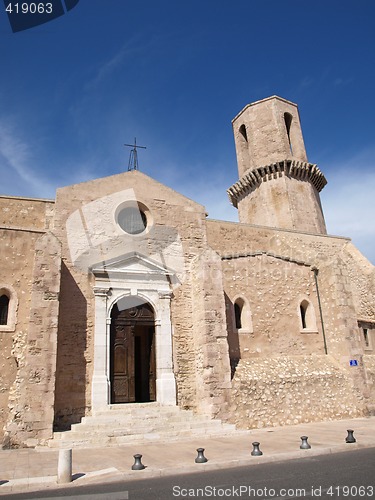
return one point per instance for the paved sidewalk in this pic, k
(33, 470)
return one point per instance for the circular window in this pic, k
(132, 220)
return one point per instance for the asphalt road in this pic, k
(337, 476)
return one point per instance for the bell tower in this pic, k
(277, 187)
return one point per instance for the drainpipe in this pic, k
(316, 271)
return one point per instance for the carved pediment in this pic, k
(133, 266)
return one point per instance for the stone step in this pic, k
(138, 408)
(128, 420)
(96, 441)
(128, 417)
(109, 430)
(135, 423)
(126, 433)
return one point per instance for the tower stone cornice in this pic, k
(271, 98)
(300, 170)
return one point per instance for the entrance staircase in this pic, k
(131, 423)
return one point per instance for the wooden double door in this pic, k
(132, 365)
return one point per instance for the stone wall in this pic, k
(369, 364)
(74, 348)
(284, 202)
(16, 270)
(231, 238)
(212, 367)
(22, 223)
(291, 390)
(274, 269)
(304, 252)
(341, 323)
(25, 213)
(273, 289)
(31, 398)
(362, 277)
(261, 136)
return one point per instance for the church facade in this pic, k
(121, 290)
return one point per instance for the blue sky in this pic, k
(174, 74)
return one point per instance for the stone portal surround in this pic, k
(159, 297)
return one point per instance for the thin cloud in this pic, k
(214, 199)
(342, 81)
(307, 81)
(107, 68)
(15, 152)
(349, 202)
(18, 158)
(134, 46)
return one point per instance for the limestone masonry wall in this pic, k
(16, 272)
(31, 401)
(261, 136)
(291, 390)
(274, 289)
(26, 213)
(369, 364)
(362, 277)
(273, 269)
(212, 366)
(295, 205)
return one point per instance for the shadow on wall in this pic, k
(232, 336)
(71, 369)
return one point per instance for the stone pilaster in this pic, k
(210, 336)
(100, 380)
(165, 379)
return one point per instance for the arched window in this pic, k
(366, 338)
(242, 131)
(237, 314)
(303, 309)
(307, 317)
(8, 308)
(242, 315)
(4, 309)
(288, 123)
(243, 148)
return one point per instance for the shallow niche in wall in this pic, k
(243, 322)
(367, 332)
(8, 308)
(307, 317)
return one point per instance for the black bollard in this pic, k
(350, 438)
(256, 451)
(201, 459)
(138, 465)
(305, 445)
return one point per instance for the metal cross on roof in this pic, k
(133, 158)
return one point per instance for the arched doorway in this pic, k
(132, 353)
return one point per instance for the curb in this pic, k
(113, 474)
